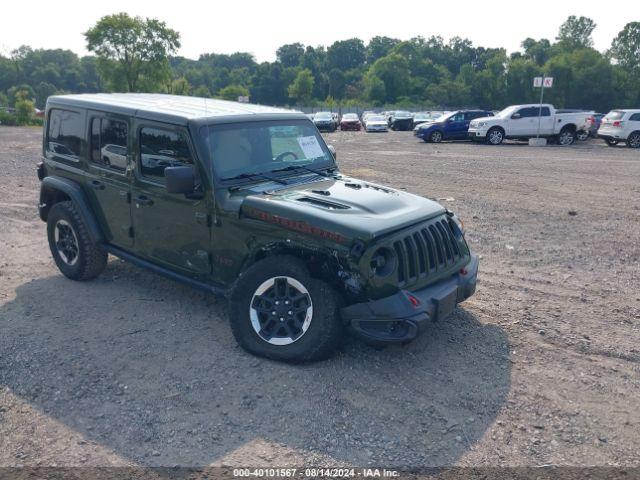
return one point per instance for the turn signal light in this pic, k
(414, 301)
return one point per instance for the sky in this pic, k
(261, 26)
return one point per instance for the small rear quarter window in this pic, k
(64, 134)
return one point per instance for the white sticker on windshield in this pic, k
(310, 147)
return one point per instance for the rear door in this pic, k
(109, 184)
(170, 229)
(546, 121)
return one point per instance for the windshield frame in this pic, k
(203, 130)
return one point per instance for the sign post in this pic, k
(542, 83)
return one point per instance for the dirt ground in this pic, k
(540, 367)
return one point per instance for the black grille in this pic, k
(429, 249)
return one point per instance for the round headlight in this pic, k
(383, 262)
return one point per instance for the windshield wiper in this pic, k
(303, 167)
(257, 175)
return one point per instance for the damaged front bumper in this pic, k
(402, 317)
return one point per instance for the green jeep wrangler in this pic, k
(247, 202)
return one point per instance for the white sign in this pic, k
(547, 82)
(243, 99)
(310, 147)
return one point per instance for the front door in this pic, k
(457, 127)
(521, 123)
(171, 229)
(109, 184)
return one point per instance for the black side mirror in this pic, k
(515, 116)
(180, 179)
(332, 149)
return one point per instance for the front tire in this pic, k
(278, 311)
(633, 140)
(495, 136)
(583, 135)
(435, 137)
(72, 248)
(611, 142)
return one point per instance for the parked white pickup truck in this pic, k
(521, 122)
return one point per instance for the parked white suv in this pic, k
(621, 126)
(521, 122)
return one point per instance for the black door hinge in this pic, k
(128, 197)
(130, 232)
(209, 220)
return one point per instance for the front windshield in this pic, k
(507, 112)
(376, 118)
(254, 148)
(444, 116)
(349, 116)
(323, 115)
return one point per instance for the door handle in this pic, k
(96, 185)
(144, 201)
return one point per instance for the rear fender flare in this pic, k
(50, 190)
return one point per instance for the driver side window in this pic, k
(159, 149)
(284, 143)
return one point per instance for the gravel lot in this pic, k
(541, 366)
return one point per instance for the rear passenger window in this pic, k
(160, 149)
(64, 134)
(109, 143)
(635, 117)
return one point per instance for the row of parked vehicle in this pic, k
(372, 121)
(517, 122)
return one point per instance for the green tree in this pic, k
(201, 91)
(25, 108)
(290, 55)
(43, 91)
(625, 48)
(180, 86)
(138, 48)
(302, 87)
(537, 50)
(576, 32)
(18, 92)
(232, 92)
(375, 90)
(346, 54)
(393, 70)
(379, 47)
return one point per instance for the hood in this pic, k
(485, 119)
(342, 208)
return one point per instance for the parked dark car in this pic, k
(350, 121)
(250, 206)
(451, 126)
(401, 120)
(325, 122)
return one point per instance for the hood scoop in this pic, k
(322, 203)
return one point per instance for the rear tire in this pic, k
(495, 136)
(566, 137)
(264, 326)
(72, 248)
(633, 140)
